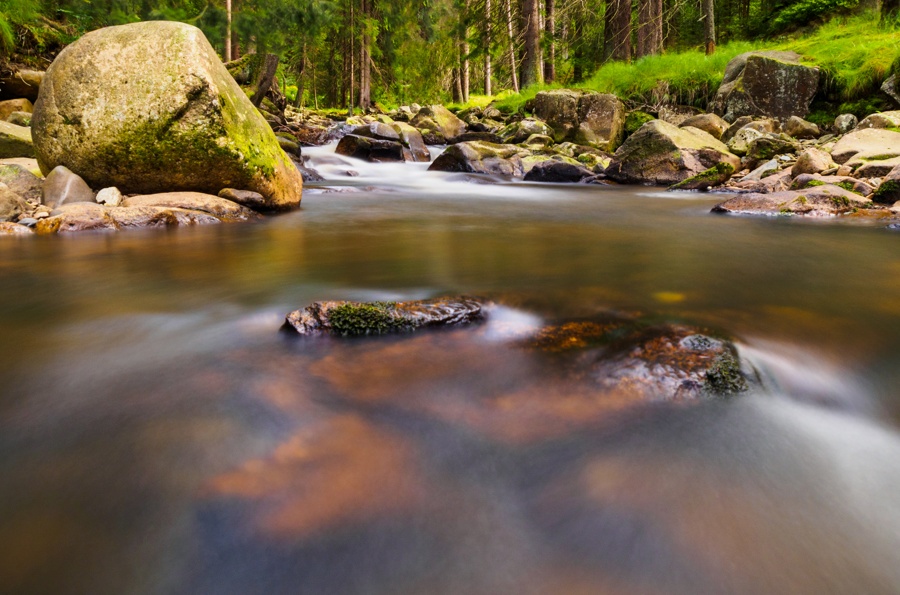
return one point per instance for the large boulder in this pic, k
(594, 119)
(771, 84)
(660, 153)
(481, 158)
(149, 107)
(881, 120)
(371, 149)
(412, 141)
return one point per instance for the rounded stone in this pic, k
(149, 107)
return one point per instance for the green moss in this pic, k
(840, 201)
(376, 318)
(813, 183)
(888, 192)
(718, 174)
(635, 120)
(848, 186)
(724, 378)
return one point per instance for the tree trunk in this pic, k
(709, 26)
(532, 73)
(617, 32)
(365, 62)
(487, 47)
(228, 57)
(512, 47)
(550, 27)
(464, 53)
(352, 61)
(266, 78)
(298, 101)
(649, 30)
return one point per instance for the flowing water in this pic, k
(159, 435)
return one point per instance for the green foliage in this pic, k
(13, 15)
(635, 120)
(805, 11)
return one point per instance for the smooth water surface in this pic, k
(159, 435)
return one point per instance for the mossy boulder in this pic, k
(481, 158)
(765, 148)
(149, 107)
(772, 84)
(663, 154)
(439, 121)
(354, 319)
(521, 131)
(594, 119)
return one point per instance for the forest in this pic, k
(345, 53)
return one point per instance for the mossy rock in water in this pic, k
(355, 319)
(149, 107)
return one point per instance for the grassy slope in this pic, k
(855, 55)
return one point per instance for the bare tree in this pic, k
(512, 47)
(550, 27)
(617, 31)
(487, 47)
(709, 25)
(650, 28)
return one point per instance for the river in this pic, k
(158, 434)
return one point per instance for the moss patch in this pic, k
(377, 318)
(724, 378)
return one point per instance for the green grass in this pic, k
(855, 55)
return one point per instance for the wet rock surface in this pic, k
(351, 319)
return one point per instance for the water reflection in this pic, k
(157, 435)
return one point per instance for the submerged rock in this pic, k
(82, 216)
(660, 153)
(552, 170)
(349, 319)
(149, 107)
(371, 149)
(8, 228)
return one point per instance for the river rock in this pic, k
(594, 119)
(15, 141)
(79, 217)
(11, 204)
(768, 147)
(868, 143)
(22, 82)
(481, 158)
(485, 137)
(708, 123)
(889, 190)
(221, 208)
(765, 170)
(660, 153)
(799, 128)
(378, 131)
(845, 123)
(149, 107)
(21, 181)
(20, 119)
(349, 319)
(63, 186)
(847, 183)
(556, 171)
(812, 161)
(15, 105)
(412, 141)
(437, 119)
(740, 142)
(8, 228)
(880, 120)
(518, 132)
(245, 198)
(817, 201)
(110, 197)
(736, 126)
(876, 168)
(772, 84)
(370, 149)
